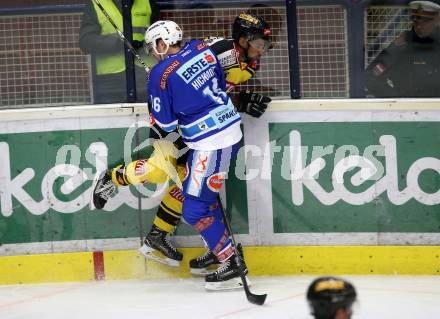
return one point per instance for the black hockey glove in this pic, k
(137, 44)
(254, 104)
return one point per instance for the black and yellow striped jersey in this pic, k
(236, 71)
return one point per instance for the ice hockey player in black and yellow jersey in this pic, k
(237, 70)
(239, 58)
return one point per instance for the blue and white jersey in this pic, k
(187, 91)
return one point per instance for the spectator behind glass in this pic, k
(99, 38)
(410, 65)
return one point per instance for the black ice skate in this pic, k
(158, 248)
(208, 262)
(227, 276)
(103, 190)
(204, 265)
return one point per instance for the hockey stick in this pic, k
(123, 38)
(252, 298)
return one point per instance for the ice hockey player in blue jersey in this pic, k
(238, 57)
(187, 92)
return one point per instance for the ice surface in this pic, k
(380, 297)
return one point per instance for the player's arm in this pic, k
(247, 101)
(163, 120)
(161, 165)
(159, 103)
(163, 131)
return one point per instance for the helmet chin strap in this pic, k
(162, 55)
(245, 49)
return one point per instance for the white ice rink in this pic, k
(401, 297)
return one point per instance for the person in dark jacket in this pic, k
(410, 65)
(99, 38)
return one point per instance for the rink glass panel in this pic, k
(323, 51)
(383, 25)
(40, 61)
(42, 65)
(273, 73)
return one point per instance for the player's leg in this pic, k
(158, 168)
(156, 246)
(206, 173)
(167, 218)
(210, 226)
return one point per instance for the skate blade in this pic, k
(202, 271)
(153, 254)
(231, 284)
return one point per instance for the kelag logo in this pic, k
(366, 167)
(306, 163)
(335, 163)
(73, 177)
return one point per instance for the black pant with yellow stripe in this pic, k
(169, 213)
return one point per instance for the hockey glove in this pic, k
(254, 104)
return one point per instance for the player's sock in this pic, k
(157, 247)
(119, 176)
(169, 212)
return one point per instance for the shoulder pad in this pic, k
(220, 45)
(212, 40)
(167, 72)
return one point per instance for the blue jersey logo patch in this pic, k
(196, 65)
(223, 115)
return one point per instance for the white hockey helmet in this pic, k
(166, 30)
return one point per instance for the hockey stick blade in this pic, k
(252, 298)
(256, 299)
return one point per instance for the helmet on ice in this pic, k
(327, 294)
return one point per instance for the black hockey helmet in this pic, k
(327, 294)
(251, 26)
